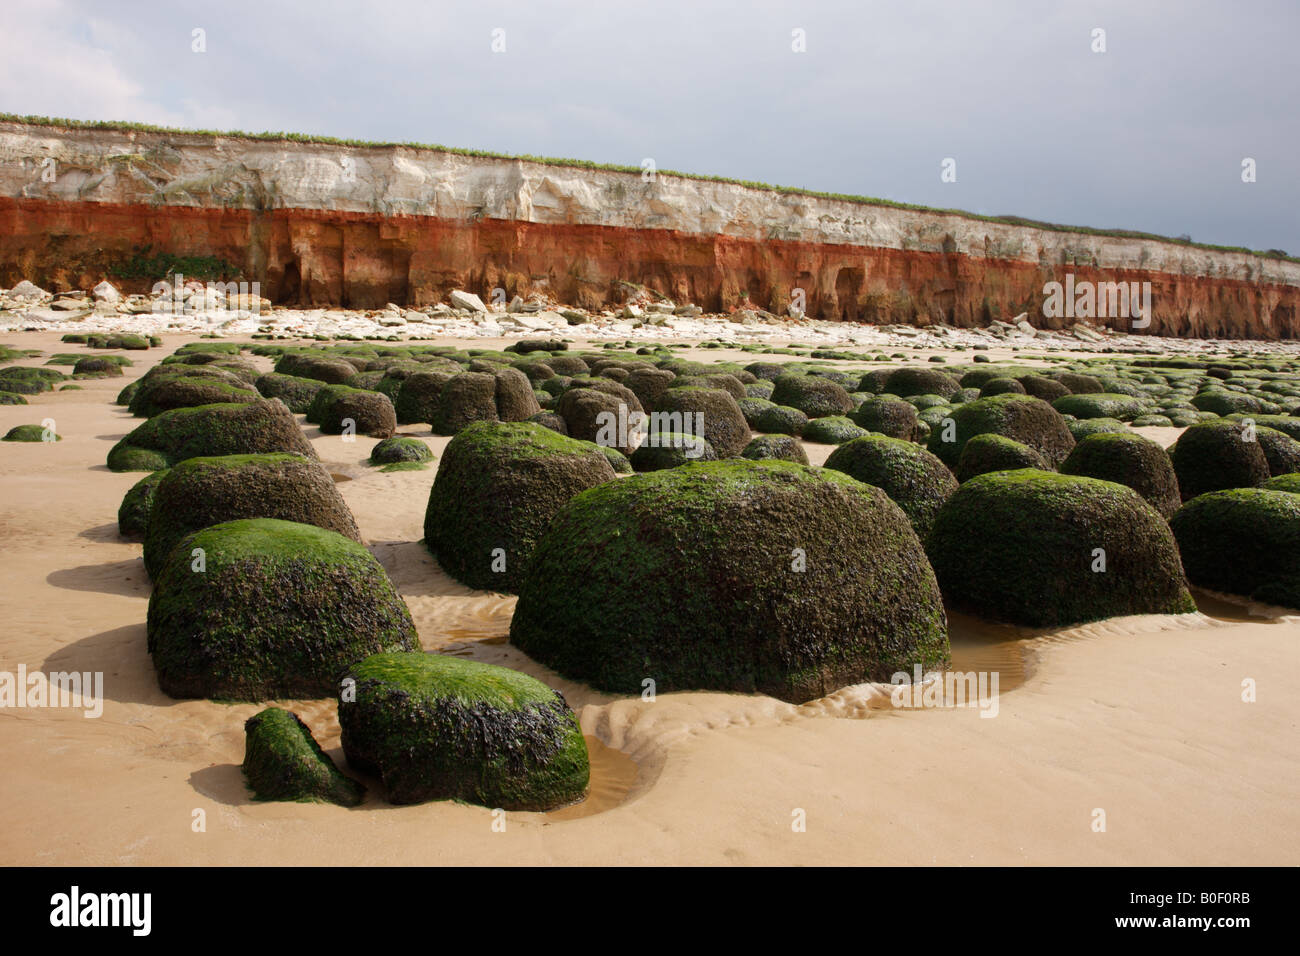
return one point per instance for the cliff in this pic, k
(356, 226)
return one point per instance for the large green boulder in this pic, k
(465, 398)
(498, 487)
(887, 417)
(1101, 405)
(1281, 451)
(747, 576)
(262, 609)
(418, 394)
(295, 392)
(775, 447)
(209, 430)
(904, 382)
(990, 452)
(1046, 550)
(282, 761)
(200, 492)
(914, 479)
(164, 393)
(1243, 541)
(1213, 456)
(359, 412)
(436, 727)
(1131, 460)
(1022, 418)
(832, 430)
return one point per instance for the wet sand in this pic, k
(1140, 717)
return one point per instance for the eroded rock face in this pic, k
(420, 224)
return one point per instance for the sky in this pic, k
(1148, 134)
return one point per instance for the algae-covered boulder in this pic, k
(496, 491)
(914, 479)
(1021, 418)
(31, 433)
(1213, 456)
(514, 396)
(359, 412)
(777, 448)
(1290, 483)
(1101, 405)
(1280, 450)
(94, 365)
(390, 451)
(648, 384)
(436, 727)
(208, 430)
(1082, 428)
(713, 414)
(1222, 402)
(671, 450)
(1130, 460)
(295, 392)
(1045, 550)
(1079, 383)
(418, 395)
(989, 452)
(260, 609)
(12, 398)
(200, 492)
(780, 420)
(332, 371)
(1243, 541)
(1040, 386)
(282, 761)
(133, 513)
(887, 417)
(597, 416)
(811, 394)
(1004, 386)
(832, 430)
(748, 576)
(905, 382)
(465, 398)
(156, 395)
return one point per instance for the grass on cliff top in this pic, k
(125, 126)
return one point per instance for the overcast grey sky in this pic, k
(1148, 135)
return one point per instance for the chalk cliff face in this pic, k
(320, 224)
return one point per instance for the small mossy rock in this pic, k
(904, 382)
(283, 761)
(325, 396)
(465, 398)
(1082, 428)
(1051, 527)
(295, 392)
(620, 462)
(329, 371)
(1101, 405)
(780, 420)
(12, 398)
(894, 419)
(989, 452)
(568, 365)
(128, 392)
(671, 450)
(832, 430)
(360, 413)
(437, 727)
(1131, 460)
(200, 492)
(686, 574)
(94, 365)
(551, 420)
(728, 383)
(496, 491)
(649, 384)
(715, 416)
(402, 448)
(1243, 541)
(1289, 483)
(1281, 451)
(1022, 418)
(210, 430)
(1003, 386)
(162, 395)
(813, 395)
(592, 415)
(133, 513)
(752, 408)
(31, 433)
(1213, 456)
(775, 448)
(914, 479)
(1152, 421)
(280, 610)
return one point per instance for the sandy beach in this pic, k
(1141, 717)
